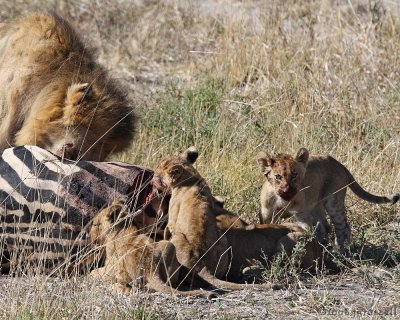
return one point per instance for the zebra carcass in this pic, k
(47, 204)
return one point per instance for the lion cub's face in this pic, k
(284, 172)
(176, 171)
(105, 222)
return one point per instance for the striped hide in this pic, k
(47, 204)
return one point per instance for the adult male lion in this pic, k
(54, 95)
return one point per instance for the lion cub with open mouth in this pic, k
(134, 257)
(307, 187)
(192, 225)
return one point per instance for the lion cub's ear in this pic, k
(77, 93)
(190, 155)
(115, 212)
(219, 201)
(265, 161)
(302, 155)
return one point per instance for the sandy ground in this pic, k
(344, 296)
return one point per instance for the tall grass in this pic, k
(279, 76)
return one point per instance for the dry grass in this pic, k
(236, 77)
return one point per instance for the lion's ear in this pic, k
(115, 212)
(77, 93)
(219, 201)
(265, 161)
(190, 155)
(302, 155)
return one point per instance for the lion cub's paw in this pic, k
(122, 288)
(101, 273)
(97, 273)
(252, 274)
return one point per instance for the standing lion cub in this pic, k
(53, 94)
(306, 186)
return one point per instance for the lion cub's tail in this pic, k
(365, 195)
(157, 284)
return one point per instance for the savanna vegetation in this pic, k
(234, 78)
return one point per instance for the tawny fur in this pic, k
(307, 187)
(132, 257)
(53, 94)
(251, 244)
(192, 226)
(226, 219)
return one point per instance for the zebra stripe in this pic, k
(47, 203)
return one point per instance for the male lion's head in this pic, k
(284, 172)
(79, 121)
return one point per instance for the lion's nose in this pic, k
(284, 188)
(67, 150)
(67, 146)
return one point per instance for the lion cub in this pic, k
(305, 186)
(133, 257)
(192, 225)
(261, 242)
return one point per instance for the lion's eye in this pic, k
(294, 175)
(278, 177)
